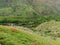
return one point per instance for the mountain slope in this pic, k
(46, 6)
(11, 36)
(39, 6)
(51, 28)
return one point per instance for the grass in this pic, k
(9, 36)
(51, 28)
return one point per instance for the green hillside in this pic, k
(29, 22)
(51, 28)
(29, 13)
(11, 36)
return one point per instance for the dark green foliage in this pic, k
(27, 15)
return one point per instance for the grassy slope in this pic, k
(49, 24)
(11, 36)
(51, 28)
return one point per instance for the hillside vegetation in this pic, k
(12, 36)
(28, 13)
(29, 22)
(51, 28)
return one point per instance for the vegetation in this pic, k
(12, 36)
(26, 13)
(51, 28)
(39, 19)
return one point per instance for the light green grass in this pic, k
(9, 37)
(51, 28)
